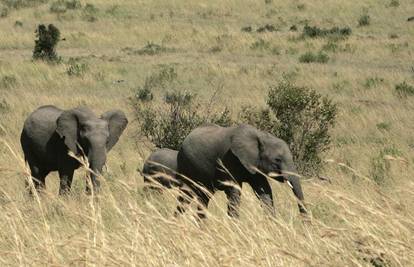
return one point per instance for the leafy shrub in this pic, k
(152, 49)
(304, 119)
(8, 81)
(144, 94)
(47, 39)
(384, 126)
(73, 4)
(18, 23)
(4, 106)
(267, 28)
(330, 47)
(262, 45)
(167, 125)
(112, 10)
(301, 7)
(90, 12)
(61, 6)
(263, 118)
(373, 82)
(17, 4)
(293, 28)
(364, 20)
(167, 121)
(310, 57)
(380, 166)
(4, 12)
(316, 32)
(58, 7)
(404, 89)
(394, 3)
(247, 29)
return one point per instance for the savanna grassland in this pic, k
(362, 216)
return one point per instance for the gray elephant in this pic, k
(160, 168)
(49, 133)
(215, 158)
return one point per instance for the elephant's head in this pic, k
(87, 135)
(264, 153)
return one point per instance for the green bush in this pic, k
(380, 166)
(364, 20)
(404, 89)
(394, 3)
(262, 45)
(310, 57)
(167, 121)
(373, 82)
(18, 23)
(90, 13)
(304, 119)
(61, 6)
(262, 118)
(316, 32)
(153, 49)
(4, 106)
(4, 12)
(8, 81)
(47, 39)
(17, 4)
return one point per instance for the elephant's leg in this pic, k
(96, 184)
(38, 178)
(233, 194)
(184, 199)
(263, 191)
(202, 205)
(66, 176)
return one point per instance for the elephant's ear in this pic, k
(117, 123)
(246, 146)
(67, 128)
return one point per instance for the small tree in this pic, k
(166, 124)
(304, 119)
(47, 39)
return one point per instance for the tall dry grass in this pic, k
(360, 216)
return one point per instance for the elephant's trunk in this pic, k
(294, 182)
(97, 159)
(297, 190)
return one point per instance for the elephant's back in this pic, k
(39, 130)
(164, 156)
(200, 151)
(42, 118)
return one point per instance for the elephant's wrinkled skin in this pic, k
(243, 150)
(49, 133)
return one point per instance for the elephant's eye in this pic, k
(278, 160)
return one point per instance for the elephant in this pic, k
(160, 169)
(50, 133)
(215, 158)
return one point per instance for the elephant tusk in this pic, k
(292, 174)
(289, 184)
(274, 174)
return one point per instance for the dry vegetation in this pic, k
(362, 217)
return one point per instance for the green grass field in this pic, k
(362, 217)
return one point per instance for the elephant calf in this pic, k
(215, 158)
(160, 169)
(49, 133)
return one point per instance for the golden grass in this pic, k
(353, 221)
